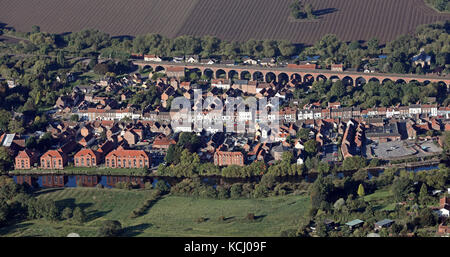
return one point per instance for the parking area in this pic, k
(430, 147)
(391, 150)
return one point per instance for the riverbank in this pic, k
(170, 216)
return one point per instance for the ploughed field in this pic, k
(169, 216)
(230, 19)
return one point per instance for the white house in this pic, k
(249, 61)
(221, 83)
(152, 58)
(192, 59)
(444, 212)
(415, 109)
(305, 115)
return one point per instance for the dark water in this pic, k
(50, 181)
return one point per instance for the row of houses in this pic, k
(334, 110)
(58, 159)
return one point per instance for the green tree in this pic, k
(398, 67)
(5, 118)
(400, 188)
(6, 161)
(286, 48)
(320, 190)
(67, 213)
(35, 29)
(303, 134)
(361, 192)
(354, 163)
(60, 59)
(297, 10)
(162, 186)
(311, 147)
(373, 45)
(338, 89)
(309, 11)
(110, 228)
(79, 215)
(16, 126)
(74, 117)
(423, 194)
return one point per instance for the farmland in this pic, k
(231, 20)
(170, 216)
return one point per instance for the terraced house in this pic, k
(228, 158)
(25, 160)
(53, 160)
(87, 158)
(121, 158)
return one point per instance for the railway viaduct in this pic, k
(268, 74)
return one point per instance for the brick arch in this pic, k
(282, 76)
(244, 73)
(210, 71)
(348, 81)
(233, 73)
(268, 75)
(219, 75)
(321, 77)
(258, 75)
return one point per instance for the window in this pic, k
(60, 162)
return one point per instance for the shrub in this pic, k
(110, 228)
(250, 216)
(67, 213)
(79, 215)
(201, 219)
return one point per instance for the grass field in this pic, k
(170, 216)
(380, 199)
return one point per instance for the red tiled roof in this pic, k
(127, 153)
(52, 153)
(84, 152)
(25, 154)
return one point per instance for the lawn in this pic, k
(170, 216)
(381, 199)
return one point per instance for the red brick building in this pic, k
(86, 158)
(228, 158)
(26, 159)
(121, 158)
(53, 159)
(162, 142)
